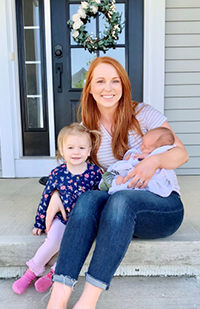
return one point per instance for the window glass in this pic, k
(31, 12)
(90, 27)
(32, 44)
(34, 112)
(118, 53)
(33, 79)
(80, 58)
(33, 70)
(120, 8)
(79, 66)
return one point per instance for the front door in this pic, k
(71, 61)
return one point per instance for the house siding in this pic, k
(182, 77)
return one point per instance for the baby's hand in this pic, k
(140, 156)
(127, 157)
(36, 231)
(119, 180)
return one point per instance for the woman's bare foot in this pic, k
(89, 297)
(59, 296)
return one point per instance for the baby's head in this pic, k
(86, 139)
(155, 138)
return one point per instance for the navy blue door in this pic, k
(71, 61)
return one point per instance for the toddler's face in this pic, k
(76, 149)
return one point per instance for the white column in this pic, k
(6, 123)
(154, 53)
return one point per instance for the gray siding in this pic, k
(182, 77)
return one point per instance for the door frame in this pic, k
(13, 163)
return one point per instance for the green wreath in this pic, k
(89, 9)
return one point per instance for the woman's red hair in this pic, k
(125, 114)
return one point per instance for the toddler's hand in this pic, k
(36, 231)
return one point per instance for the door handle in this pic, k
(59, 71)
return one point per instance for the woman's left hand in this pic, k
(142, 173)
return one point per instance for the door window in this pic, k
(79, 65)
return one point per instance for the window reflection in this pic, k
(31, 13)
(33, 79)
(32, 44)
(79, 66)
(34, 112)
(118, 53)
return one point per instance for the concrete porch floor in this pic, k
(176, 257)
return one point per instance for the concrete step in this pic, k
(177, 255)
(124, 292)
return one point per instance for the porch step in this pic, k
(177, 255)
(169, 257)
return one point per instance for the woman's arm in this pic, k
(171, 159)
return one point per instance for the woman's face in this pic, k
(106, 87)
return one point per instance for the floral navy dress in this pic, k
(69, 186)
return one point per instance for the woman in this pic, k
(113, 220)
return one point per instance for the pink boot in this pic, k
(43, 283)
(21, 284)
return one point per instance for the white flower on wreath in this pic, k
(76, 18)
(112, 7)
(75, 34)
(94, 9)
(81, 12)
(77, 24)
(116, 27)
(84, 4)
(97, 1)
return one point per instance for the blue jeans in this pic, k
(112, 221)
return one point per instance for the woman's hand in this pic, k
(55, 206)
(36, 231)
(142, 173)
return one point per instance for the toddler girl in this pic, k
(70, 179)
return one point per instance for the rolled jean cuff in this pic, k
(100, 284)
(64, 280)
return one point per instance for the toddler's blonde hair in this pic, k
(76, 129)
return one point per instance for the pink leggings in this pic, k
(49, 248)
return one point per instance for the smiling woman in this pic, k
(113, 220)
